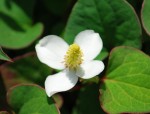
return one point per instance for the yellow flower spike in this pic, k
(73, 57)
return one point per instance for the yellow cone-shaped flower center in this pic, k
(73, 57)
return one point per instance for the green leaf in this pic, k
(25, 69)
(126, 87)
(19, 95)
(29, 99)
(110, 18)
(17, 28)
(3, 56)
(145, 17)
(87, 102)
(39, 106)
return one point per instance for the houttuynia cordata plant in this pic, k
(74, 56)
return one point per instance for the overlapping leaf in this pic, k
(126, 87)
(115, 20)
(29, 99)
(16, 24)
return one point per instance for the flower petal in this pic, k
(90, 43)
(51, 50)
(90, 69)
(59, 82)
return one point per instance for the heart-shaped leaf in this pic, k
(145, 17)
(29, 99)
(126, 87)
(110, 18)
(3, 56)
(16, 25)
(39, 106)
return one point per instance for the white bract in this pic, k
(75, 60)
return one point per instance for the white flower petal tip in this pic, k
(90, 69)
(53, 40)
(51, 50)
(60, 82)
(90, 43)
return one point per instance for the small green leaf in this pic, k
(17, 28)
(3, 56)
(29, 99)
(19, 95)
(39, 106)
(110, 18)
(126, 87)
(145, 15)
(87, 101)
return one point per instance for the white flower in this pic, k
(75, 60)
